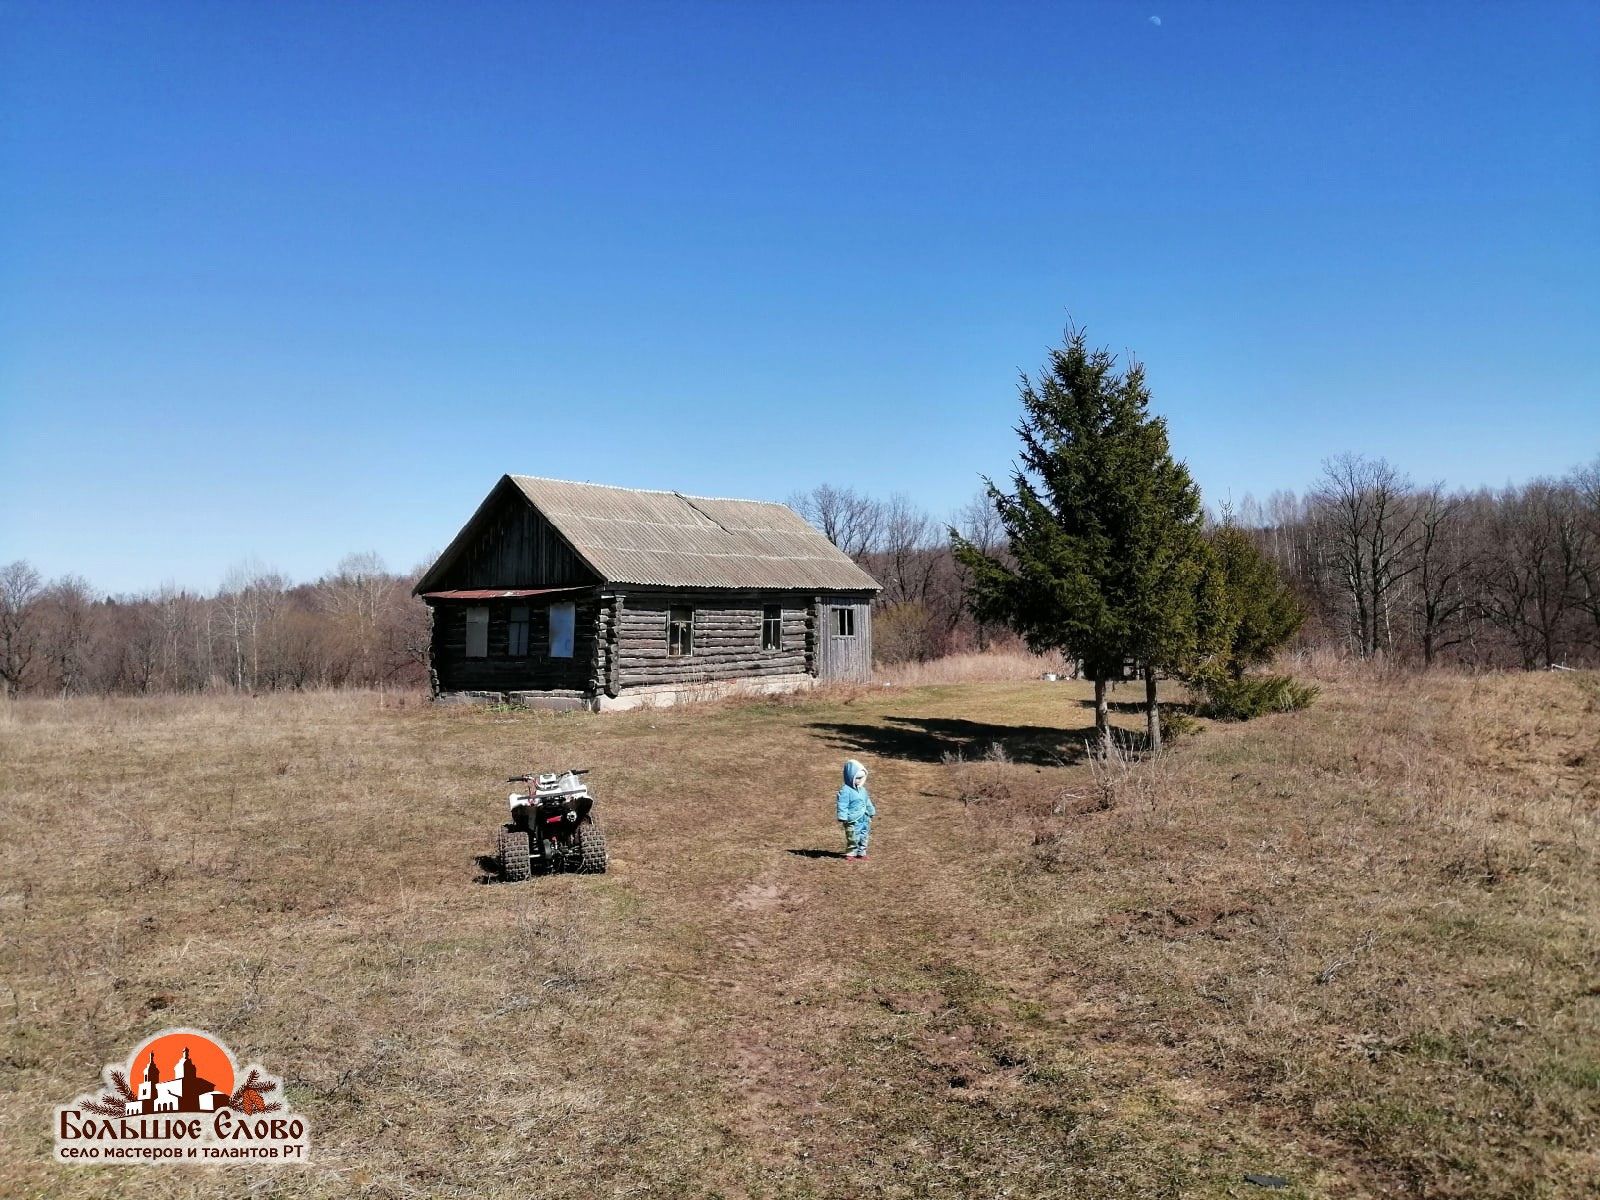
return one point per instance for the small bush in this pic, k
(981, 780)
(1251, 696)
(1177, 721)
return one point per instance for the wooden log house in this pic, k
(578, 595)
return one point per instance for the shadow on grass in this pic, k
(929, 739)
(489, 865)
(818, 853)
(1137, 706)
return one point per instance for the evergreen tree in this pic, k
(1249, 612)
(1104, 529)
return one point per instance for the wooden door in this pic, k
(844, 647)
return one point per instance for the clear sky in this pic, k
(291, 280)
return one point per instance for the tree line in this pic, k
(1506, 577)
(358, 625)
(1382, 567)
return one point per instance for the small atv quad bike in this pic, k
(551, 829)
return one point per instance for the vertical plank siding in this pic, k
(515, 548)
(844, 657)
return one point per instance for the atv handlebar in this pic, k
(531, 778)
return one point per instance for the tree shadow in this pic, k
(1137, 706)
(930, 739)
(818, 853)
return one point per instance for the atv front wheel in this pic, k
(513, 853)
(591, 846)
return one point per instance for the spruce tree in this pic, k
(1104, 529)
(1249, 612)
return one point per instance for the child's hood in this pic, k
(855, 775)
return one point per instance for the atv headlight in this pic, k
(571, 816)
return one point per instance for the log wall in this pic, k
(499, 672)
(726, 644)
(620, 642)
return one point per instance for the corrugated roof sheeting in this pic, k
(667, 539)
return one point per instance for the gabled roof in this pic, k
(669, 539)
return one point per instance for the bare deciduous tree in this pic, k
(905, 567)
(68, 620)
(851, 521)
(20, 588)
(1529, 579)
(251, 597)
(357, 596)
(1444, 564)
(1364, 508)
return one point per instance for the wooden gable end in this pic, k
(510, 545)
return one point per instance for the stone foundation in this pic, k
(659, 696)
(667, 694)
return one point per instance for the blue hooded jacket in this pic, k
(854, 803)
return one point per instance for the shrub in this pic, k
(1252, 696)
(906, 632)
(1177, 721)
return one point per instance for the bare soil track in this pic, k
(1333, 947)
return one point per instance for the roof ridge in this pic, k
(617, 487)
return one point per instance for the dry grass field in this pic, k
(1354, 947)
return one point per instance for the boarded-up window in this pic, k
(478, 632)
(772, 627)
(517, 632)
(561, 622)
(680, 632)
(844, 622)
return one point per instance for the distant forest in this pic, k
(1416, 574)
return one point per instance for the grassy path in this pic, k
(861, 1021)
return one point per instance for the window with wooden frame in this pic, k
(680, 631)
(772, 627)
(844, 622)
(478, 631)
(517, 631)
(563, 624)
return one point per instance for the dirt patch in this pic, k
(1216, 918)
(760, 897)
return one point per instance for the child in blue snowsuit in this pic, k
(855, 811)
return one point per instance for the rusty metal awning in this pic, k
(499, 593)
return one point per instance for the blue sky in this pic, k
(292, 280)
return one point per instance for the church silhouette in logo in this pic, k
(184, 1092)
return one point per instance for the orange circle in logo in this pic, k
(211, 1061)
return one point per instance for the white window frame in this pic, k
(776, 623)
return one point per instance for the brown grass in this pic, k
(1355, 947)
(990, 666)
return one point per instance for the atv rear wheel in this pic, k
(591, 849)
(513, 854)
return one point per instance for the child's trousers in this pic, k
(856, 834)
